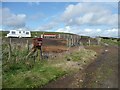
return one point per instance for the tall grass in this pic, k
(37, 76)
(21, 73)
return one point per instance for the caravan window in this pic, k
(19, 31)
(13, 32)
(27, 32)
(23, 31)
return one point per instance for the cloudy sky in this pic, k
(83, 18)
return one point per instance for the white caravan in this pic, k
(19, 33)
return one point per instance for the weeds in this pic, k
(111, 42)
(21, 73)
(80, 55)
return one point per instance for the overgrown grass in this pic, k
(0, 67)
(39, 75)
(0, 74)
(19, 73)
(81, 55)
(111, 42)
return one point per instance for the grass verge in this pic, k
(38, 74)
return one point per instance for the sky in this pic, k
(83, 18)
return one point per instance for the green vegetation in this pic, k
(81, 55)
(0, 67)
(0, 74)
(3, 33)
(21, 73)
(111, 41)
(37, 76)
(0, 34)
(31, 73)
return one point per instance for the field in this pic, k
(18, 72)
(73, 65)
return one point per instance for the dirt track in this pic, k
(102, 73)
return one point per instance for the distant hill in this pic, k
(38, 33)
(34, 33)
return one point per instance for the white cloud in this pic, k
(95, 14)
(112, 30)
(90, 32)
(110, 33)
(67, 29)
(85, 15)
(12, 20)
(89, 13)
(100, 32)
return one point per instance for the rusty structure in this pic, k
(37, 44)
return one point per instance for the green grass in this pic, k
(17, 74)
(81, 55)
(39, 75)
(0, 74)
(111, 42)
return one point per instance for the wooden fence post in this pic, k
(89, 41)
(27, 46)
(67, 42)
(59, 36)
(77, 40)
(10, 49)
(99, 40)
(71, 40)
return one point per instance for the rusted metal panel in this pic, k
(37, 42)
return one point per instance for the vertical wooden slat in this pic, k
(27, 46)
(89, 41)
(10, 49)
